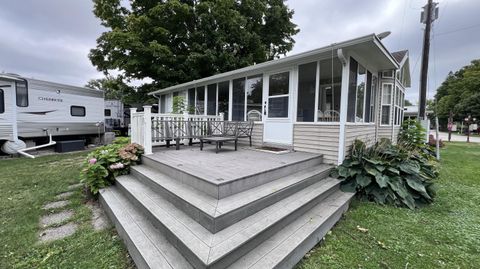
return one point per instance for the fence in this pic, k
(149, 129)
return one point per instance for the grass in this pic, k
(26, 185)
(445, 234)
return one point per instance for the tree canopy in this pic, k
(460, 93)
(174, 41)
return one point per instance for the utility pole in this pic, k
(429, 14)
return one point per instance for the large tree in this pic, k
(460, 93)
(174, 41)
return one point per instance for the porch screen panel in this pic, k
(368, 97)
(200, 101)
(330, 90)
(2, 102)
(386, 103)
(223, 98)
(361, 86)
(163, 103)
(254, 97)
(191, 100)
(307, 77)
(352, 90)
(373, 99)
(212, 99)
(238, 109)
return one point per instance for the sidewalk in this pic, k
(456, 137)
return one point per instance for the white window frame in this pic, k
(385, 76)
(382, 104)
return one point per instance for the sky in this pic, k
(50, 39)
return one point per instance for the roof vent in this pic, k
(383, 35)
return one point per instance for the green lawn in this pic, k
(443, 235)
(26, 185)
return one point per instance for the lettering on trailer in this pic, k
(50, 99)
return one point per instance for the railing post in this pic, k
(133, 126)
(222, 116)
(147, 130)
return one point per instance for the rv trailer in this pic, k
(31, 110)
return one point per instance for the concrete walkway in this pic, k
(456, 137)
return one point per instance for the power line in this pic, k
(458, 30)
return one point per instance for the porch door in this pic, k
(278, 114)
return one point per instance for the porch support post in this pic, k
(343, 110)
(222, 116)
(133, 126)
(147, 130)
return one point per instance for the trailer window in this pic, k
(22, 93)
(108, 113)
(77, 111)
(2, 102)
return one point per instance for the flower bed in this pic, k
(105, 163)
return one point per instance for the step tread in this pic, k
(216, 208)
(154, 248)
(271, 252)
(210, 247)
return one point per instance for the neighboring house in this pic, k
(318, 101)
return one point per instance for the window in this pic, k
(386, 102)
(352, 90)
(22, 93)
(307, 77)
(2, 102)
(387, 74)
(360, 98)
(77, 111)
(399, 100)
(370, 94)
(238, 104)
(108, 113)
(278, 95)
(373, 99)
(191, 100)
(200, 101)
(330, 89)
(361, 94)
(212, 99)
(163, 103)
(223, 98)
(254, 92)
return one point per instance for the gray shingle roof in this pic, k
(399, 55)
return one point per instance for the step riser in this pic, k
(220, 223)
(229, 188)
(295, 256)
(198, 215)
(178, 244)
(244, 184)
(132, 250)
(226, 220)
(231, 257)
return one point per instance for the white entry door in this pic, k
(278, 123)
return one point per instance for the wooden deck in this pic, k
(227, 165)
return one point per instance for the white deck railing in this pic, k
(140, 122)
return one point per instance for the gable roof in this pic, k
(371, 38)
(403, 60)
(399, 55)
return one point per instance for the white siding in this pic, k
(320, 139)
(257, 135)
(365, 133)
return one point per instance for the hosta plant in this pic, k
(388, 174)
(105, 163)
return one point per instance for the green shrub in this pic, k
(105, 163)
(389, 174)
(412, 134)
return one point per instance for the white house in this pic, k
(318, 101)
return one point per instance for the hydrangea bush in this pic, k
(105, 163)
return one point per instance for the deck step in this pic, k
(146, 245)
(216, 215)
(221, 187)
(288, 246)
(203, 248)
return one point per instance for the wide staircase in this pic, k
(167, 219)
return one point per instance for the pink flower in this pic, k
(92, 161)
(116, 166)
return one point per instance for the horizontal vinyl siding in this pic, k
(396, 130)
(365, 133)
(320, 139)
(384, 132)
(6, 131)
(257, 135)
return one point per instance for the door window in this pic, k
(278, 95)
(2, 102)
